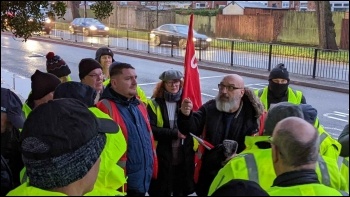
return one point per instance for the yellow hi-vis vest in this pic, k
(156, 110)
(293, 96)
(256, 165)
(313, 189)
(26, 190)
(110, 176)
(328, 146)
(140, 93)
(343, 164)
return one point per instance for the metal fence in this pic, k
(308, 61)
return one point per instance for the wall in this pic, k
(233, 10)
(301, 27)
(202, 24)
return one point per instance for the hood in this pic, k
(310, 113)
(76, 90)
(254, 100)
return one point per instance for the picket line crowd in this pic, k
(102, 136)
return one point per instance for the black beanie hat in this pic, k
(86, 65)
(103, 51)
(42, 84)
(279, 72)
(56, 65)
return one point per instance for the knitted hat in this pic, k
(86, 65)
(310, 113)
(12, 106)
(56, 65)
(42, 84)
(170, 75)
(103, 51)
(279, 72)
(280, 111)
(60, 142)
(76, 90)
(240, 187)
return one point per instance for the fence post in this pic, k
(172, 46)
(232, 44)
(14, 81)
(149, 42)
(270, 55)
(315, 62)
(107, 40)
(127, 39)
(200, 49)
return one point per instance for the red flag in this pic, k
(192, 88)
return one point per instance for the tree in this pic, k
(325, 22)
(23, 18)
(75, 8)
(102, 9)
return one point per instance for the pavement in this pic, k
(307, 81)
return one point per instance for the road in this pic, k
(23, 58)
(304, 66)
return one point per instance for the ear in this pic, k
(275, 155)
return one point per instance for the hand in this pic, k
(186, 106)
(180, 135)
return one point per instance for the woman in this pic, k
(174, 150)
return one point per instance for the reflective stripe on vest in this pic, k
(324, 171)
(293, 96)
(251, 167)
(110, 108)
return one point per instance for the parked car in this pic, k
(88, 26)
(177, 34)
(47, 24)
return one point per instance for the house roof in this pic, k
(250, 4)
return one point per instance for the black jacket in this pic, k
(215, 122)
(6, 177)
(164, 135)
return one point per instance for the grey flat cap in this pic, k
(280, 111)
(170, 75)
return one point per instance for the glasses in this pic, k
(171, 83)
(229, 87)
(96, 76)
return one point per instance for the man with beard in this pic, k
(232, 115)
(278, 90)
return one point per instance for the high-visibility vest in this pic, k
(110, 176)
(328, 146)
(26, 109)
(110, 108)
(293, 96)
(256, 165)
(343, 164)
(140, 93)
(313, 189)
(26, 190)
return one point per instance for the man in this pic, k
(294, 156)
(90, 73)
(255, 163)
(232, 115)
(61, 144)
(110, 176)
(328, 146)
(104, 56)
(278, 90)
(119, 101)
(12, 119)
(343, 160)
(43, 85)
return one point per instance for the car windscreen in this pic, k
(92, 22)
(184, 29)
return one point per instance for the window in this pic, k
(285, 5)
(200, 5)
(143, 3)
(340, 9)
(123, 3)
(303, 4)
(338, 4)
(346, 5)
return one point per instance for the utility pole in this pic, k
(85, 9)
(157, 13)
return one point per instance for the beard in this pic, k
(226, 106)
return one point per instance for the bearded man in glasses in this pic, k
(232, 115)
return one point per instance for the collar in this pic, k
(297, 177)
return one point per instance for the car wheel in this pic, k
(86, 32)
(182, 43)
(157, 41)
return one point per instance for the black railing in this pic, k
(308, 61)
